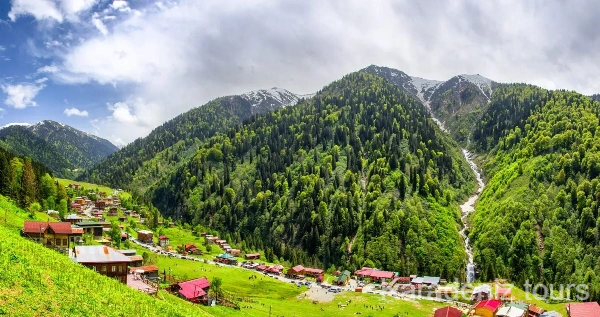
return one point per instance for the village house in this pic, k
(91, 227)
(163, 241)
(589, 309)
(195, 291)
(100, 204)
(512, 311)
(149, 271)
(208, 239)
(76, 207)
(112, 212)
(104, 260)
(145, 236)
(448, 311)
(428, 281)
(299, 271)
(487, 308)
(534, 311)
(503, 294)
(225, 259)
(192, 248)
(481, 292)
(73, 219)
(252, 256)
(343, 278)
(55, 235)
(79, 200)
(234, 252)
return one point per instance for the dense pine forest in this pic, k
(359, 175)
(538, 218)
(27, 183)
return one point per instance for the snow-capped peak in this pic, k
(274, 97)
(23, 124)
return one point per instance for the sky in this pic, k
(118, 68)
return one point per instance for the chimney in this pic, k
(106, 250)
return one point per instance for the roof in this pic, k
(311, 270)
(382, 274)
(365, 271)
(99, 254)
(448, 311)
(145, 231)
(589, 309)
(491, 304)
(483, 288)
(510, 311)
(503, 291)
(76, 230)
(298, 268)
(431, 280)
(147, 268)
(163, 238)
(252, 254)
(535, 309)
(344, 276)
(136, 258)
(551, 314)
(194, 288)
(73, 217)
(56, 227)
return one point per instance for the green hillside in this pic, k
(357, 175)
(37, 281)
(538, 218)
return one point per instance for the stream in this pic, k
(467, 207)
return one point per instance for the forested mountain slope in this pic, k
(538, 218)
(458, 102)
(144, 161)
(56, 145)
(20, 178)
(357, 175)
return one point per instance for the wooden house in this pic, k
(148, 271)
(145, 236)
(73, 219)
(55, 235)
(163, 241)
(534, 311)
(100, 204)
(342, 279)
(104, 260)
(252, 256)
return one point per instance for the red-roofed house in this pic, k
(503, 294)
(312, 272)
(381, 276)
(295, 271)
(589, 309)
(163, 241)
(363, 273)
(55, 235)
(487, 308)
(448, 311)
(194, 290)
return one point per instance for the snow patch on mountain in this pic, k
(484, 84)
(273, 97)
(423, 85)
(23, 124)
(58, 125)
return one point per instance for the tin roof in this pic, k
(99, 254)
(41, 226)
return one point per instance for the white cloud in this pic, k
(75, 112)
(21, 96)
(120, 5)
(73, 7)
(41, 80)
(122, 113)
(97, 22)
(53, 43)
(56, 10)
(48, 69)
(180, 55)
(109, 17)
(2, 48)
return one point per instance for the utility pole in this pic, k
(270, 307)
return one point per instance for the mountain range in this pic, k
(143, 162)
(64, 149)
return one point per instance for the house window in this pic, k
(65, 242)
(114, 268)
(120, 269)
(94, 268)
(104, 268)
(57, 241)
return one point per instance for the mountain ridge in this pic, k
(59, 146)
